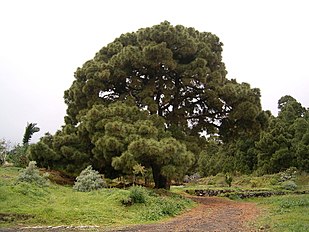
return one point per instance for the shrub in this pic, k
(289, 174)
(220, 180)
(89, 180)
(165, 206)
(138, 194)
(289, 185)
(31, 174)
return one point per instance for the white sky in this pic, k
(266, 43)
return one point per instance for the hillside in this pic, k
(25, 204)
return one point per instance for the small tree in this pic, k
(89, 180)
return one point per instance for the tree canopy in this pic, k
(172, 71)
(147, 99)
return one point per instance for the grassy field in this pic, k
(26, 204)
(284, 213)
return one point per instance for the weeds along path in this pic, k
(212, 214)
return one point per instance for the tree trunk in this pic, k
(160, 180)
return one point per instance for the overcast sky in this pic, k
(266, 43)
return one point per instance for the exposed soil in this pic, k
(212, 214)
(58, 177)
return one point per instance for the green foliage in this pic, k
(237, 156)
(289, 185)
(159, 87)
(122, 136)
(295, 202)
(43, 155)
(217, 180)
(245, 117)
(89, 180)
(31, 174)
(228, 179)
(147, 97)
(160, 203)
(207, 163)
(162, 68)
(165, 206)
(285, 213)
(18, 156)
(284, 143)
(138, 194)
(31, 128)
(273, 182)
(59, 205)
(281, 145)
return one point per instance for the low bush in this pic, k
(288, 174)
(31, 174)
(89, 180)
(138, 194)
(289, 185)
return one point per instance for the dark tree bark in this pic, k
(160, 180)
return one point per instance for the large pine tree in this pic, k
(171, 72)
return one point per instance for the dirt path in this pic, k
(213, 214)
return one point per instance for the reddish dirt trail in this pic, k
(212, 214)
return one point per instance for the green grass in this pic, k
(284, 213)
(59, 205)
